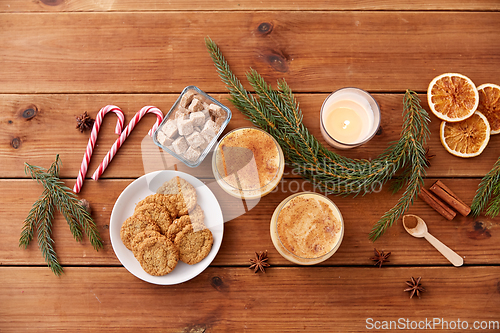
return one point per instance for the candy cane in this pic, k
(124, 135)
(93, 139)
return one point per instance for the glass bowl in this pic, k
(324, 235)
(182, 132)
(248, 163)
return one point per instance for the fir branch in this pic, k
(55, 195)
(488, 185)
(493, 206)
(40, 218)
(277, 112)
(66, 202)
(29, 226)
(239, 96)
(44, 228)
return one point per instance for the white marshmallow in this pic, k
(180, 145)
(170, 128)
(185, 126)
(192, 154)
(198, 118)
(195, 139)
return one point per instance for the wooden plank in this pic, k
(235, 300)
(247, 233)
(51, 131)
(314, 51)
(232, 5)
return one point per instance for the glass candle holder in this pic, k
(349, 117)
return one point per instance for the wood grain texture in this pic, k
(314, 51)
(474, 239)
(37, 139)
(60, 58)
(236, 300)
(232, 5)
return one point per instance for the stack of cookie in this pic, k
(167, 227)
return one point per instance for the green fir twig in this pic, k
(278, 113)
(44, 229)
(488, 193)
(55, 195)
(66, 202)
(29, 224)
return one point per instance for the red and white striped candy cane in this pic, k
(126, 132)
(93, 139)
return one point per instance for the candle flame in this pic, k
(346, 123)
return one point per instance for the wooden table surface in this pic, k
(60, 58)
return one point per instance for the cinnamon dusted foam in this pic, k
(307, 228)
(248, 163)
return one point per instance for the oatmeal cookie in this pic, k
(180, 224)
(134, 225)
(157, 213)
(171, 202)
(197, 216)
(193, 246)
(157, 255)
(182, 188)
(142, 236)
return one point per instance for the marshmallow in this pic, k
(198, 118)
(195, 139)
(181, 113)
(170, 128)
(187, 98)
(209, 130)
(192, 154)
(185, 126)
(180, 145)
(196, 105)
(162, 138)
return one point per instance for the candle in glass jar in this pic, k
(349, 118)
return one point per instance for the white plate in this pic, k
(124, 208)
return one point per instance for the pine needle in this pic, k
(278, 113)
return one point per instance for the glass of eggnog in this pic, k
(349, 117)
(307, 228)
(248, 163)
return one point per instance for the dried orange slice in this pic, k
(466, 138)
(489, 105)
(452, 97)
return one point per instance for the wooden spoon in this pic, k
(419, 230)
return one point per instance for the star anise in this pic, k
(259, 262)
(84, 122)
(86, 205)
(428, 157)
(380, 257)
(415, 287)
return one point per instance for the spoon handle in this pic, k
(449, 254)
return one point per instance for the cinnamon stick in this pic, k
(443, 192)
(437, 204)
